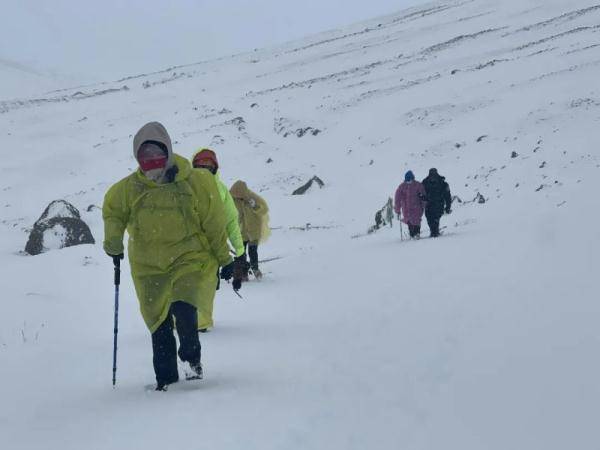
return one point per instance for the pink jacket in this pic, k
(410, 201)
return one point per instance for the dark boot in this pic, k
(414, 231)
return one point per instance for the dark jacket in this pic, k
(438, 194)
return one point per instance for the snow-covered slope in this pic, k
(484, 338)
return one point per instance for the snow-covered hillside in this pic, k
(486, 338)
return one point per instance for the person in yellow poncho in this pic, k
(177, 239)
(207, 159)
(254, 223)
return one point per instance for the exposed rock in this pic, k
(269, 161)
(305, 187)
(302, 131)
(58, 227)
(238, 122)
(481, 138)
(217, 140)
(479, 198)
(514, 154)
(287, 127)
(383, 217)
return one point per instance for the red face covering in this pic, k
(206, 159)
(151, 157)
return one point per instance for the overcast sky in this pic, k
(100, 40)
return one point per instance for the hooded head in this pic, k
(148, 143)
(207, 159)
(239, 190)
(433, 172)
(409, 176)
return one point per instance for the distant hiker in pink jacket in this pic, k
(410, 202)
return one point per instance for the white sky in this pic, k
(100, 40)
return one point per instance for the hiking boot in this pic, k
(197, 373)
(257, 273)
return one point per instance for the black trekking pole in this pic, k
(117, 263)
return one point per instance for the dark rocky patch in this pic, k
(61, 223)
(238, 122)
(303, 131)
(383, 217)
(305, 187)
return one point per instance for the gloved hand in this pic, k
(252, 203)
(448, 211)
(116, 258)
(237, 284)
(227, 271)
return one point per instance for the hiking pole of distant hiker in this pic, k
(401, 233)
(117, 263)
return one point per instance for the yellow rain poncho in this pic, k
(205, 315)
(177, 233)
(253, 212)
(233, 227)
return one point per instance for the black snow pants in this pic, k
(164, 346)
(433, 216)
(414, 230)
(252, 251)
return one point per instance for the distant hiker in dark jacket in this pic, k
(439, 200)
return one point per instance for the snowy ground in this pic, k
(486, 338)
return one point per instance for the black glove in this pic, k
(237, 284)
(116, 258)
(448, 210)
(227, 271)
